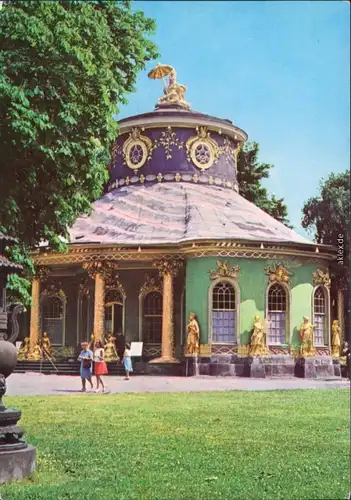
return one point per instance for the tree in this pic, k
(250, 174)
(328, 216)
(65, 66)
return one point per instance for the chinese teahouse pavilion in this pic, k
(172, 236)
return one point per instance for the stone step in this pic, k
(62, 368)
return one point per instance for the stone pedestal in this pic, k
(257, 368)
(314, 367)
(337, 368)
(17, 464)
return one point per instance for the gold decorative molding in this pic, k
(278, 274)
(112, 282)
(224, 349)
(54, 290)
(178, 177)
(41, 273)
(105, 268)
(137, 149)
(321, 277)
(202, 150)
(224, 271)
(243, 350)
(169, 267)
(205, 350)
(91, 253)
(84, 288)
(150, 285)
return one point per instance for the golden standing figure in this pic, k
(110, 350)
(92, 342)
(336, 339)
(258, 339)
(193, 340)
(35, 353)
(306, 337)
(46, 347)
(23, 351)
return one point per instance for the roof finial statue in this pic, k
(174, 92)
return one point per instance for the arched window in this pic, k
(114, 311)
(223, 312)
(53, 318)
(152, 318)
(320, 316)
(277, 314)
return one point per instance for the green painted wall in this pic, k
(253, 282)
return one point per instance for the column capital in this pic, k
(169, 267)
(105, 268)
(41, 273)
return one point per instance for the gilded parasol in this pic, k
(160, 71)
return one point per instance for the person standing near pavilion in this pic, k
(120, 345)
(100, 367)
(127, 361)
(86, 365)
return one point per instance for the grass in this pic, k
(194, 446)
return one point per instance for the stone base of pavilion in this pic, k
(215, 365)
(266, 366)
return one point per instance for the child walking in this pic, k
(100, 367)
(86, 362)
(127, 361)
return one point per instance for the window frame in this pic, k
(46, 296)
(236, 287)
(142, 297)
(121, 303)
(287, 313)
(327, 327)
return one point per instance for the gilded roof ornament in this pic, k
(174, 93)
(278, 273)
(321, 277)
(224, 271)
(150, 285)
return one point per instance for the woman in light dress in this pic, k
(100, 367)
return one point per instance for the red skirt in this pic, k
(100, 368)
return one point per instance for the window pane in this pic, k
(152, 318)
(53, 319)
(223, 313)
(277, 314)
(319, 309)
(319, 321)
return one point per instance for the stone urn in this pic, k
(17, 458)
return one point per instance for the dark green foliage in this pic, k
(65, 66)
(250, 175)
(328, 216)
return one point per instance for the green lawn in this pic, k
(205, 446)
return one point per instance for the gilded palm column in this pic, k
(34, 333)
(100, 272)
(168, 269)
(340, 304)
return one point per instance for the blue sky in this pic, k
(279, 70)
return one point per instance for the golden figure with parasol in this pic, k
(174, 92)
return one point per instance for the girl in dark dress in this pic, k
(346, 352)
(120, 345)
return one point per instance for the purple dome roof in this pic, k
(173, 144)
